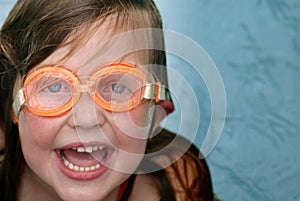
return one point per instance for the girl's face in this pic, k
(86, 153)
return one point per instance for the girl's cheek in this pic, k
(40, 131)
(143, 114)
(132, 126)
(132, 129)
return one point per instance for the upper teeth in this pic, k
(88, 149)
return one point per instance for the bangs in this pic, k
(136, 27)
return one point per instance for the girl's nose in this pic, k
(86, 113)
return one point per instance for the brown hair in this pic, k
(188, 176)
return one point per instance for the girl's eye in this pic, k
(54, 88)
(115, 91)
(119, 88)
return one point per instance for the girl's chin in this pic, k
(82, 194)
(90, 184)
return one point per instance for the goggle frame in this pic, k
(150, 91)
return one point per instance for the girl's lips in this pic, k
(84, 162)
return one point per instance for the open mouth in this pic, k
(84, 162)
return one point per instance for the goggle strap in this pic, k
(18, 102)
(156, 91)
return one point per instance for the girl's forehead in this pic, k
(98, 44)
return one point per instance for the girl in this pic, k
(83, 90)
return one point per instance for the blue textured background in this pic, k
(256, 47)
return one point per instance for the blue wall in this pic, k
(256, 48)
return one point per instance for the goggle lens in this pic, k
(48, 91)
(119, 89)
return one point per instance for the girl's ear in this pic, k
(162, 109)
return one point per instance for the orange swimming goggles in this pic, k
(53, 90)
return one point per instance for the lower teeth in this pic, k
(71, 166)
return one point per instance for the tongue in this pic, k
(84, 159)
